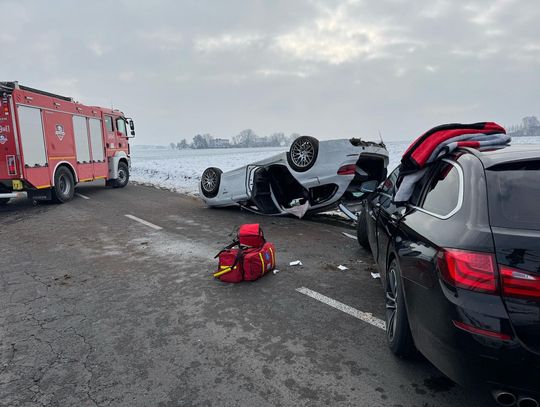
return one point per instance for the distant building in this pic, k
(220, 143)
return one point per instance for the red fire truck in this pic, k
(49, 143)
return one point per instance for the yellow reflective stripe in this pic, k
(262, 261)
(104, 176)
(86, 179)
(62, 158)
(273, 260)
(43, 186)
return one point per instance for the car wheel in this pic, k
(303, 153)
(123, 176)
(210, 180)
(64, 185)
(4, 201)
(361, 229)
(398, 332)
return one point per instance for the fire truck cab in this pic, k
(49, 143)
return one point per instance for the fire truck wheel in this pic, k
(64, 185)
(123, 176)
(4, 201)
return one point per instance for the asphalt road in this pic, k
(97, 309)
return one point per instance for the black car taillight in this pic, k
(519, 283)
(473, 271)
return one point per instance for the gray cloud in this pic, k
(326, 68)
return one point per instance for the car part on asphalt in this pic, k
(311, 177)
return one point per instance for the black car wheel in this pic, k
(303, 153)
(210, 180)
(361, 229)
(398, 332)
(123, 176)
(64, 185)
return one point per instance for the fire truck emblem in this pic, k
(3, 139)
(60, 133)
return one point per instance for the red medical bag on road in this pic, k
(229, 269)
(251, 235)
(253, 258)
(257, 262)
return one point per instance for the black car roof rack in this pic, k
(9, 87)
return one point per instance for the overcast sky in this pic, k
(329, 69)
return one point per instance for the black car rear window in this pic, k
(514, 195)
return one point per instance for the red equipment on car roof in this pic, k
(419, 152)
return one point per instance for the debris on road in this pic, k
(375, 275)
(349, 235)
(276, 271)
(295, 263)
(342, 268)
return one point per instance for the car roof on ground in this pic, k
(516, 152)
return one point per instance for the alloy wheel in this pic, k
(209, 180)
(302, 153)
(391, 303)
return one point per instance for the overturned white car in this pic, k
(313, 176)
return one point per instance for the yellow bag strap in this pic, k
(273, 260)
(262, 262)
(224, 269)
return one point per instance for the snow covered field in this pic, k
(180, 170)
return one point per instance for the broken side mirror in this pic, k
(369, 186)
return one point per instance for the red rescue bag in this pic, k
(252, 258)
(229, 268)
(258, 262)
(251, 235)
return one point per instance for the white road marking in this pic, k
(144, 222)
(349, 235)
(81, 196)
(363, 316)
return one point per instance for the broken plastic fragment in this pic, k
(342, 268)
(375, 275)
(299, 210)
(349, 235)
(275, 271)
(295, 263)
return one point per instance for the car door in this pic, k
(429, 224)
(381, 205)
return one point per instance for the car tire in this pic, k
(4, 201)
(361, 229)
(64, 185)
(210, 181)
(303, 153)
(123, 175)
(398, 331)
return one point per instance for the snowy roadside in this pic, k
(180, 170)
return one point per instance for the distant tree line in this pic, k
(246, 138)
(529, 127)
